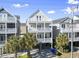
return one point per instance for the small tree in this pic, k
(27, 42)
(62, 43)
(12, 45)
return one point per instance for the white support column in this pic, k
(74, 36)
(68, 33)
(15, 25)
(6, 18)
(36, 30)
(44, 32)
(52, 37)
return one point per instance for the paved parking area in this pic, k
(45, 53)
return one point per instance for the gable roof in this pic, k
(65, 20)
(60, 20)
(2, 10)
(34, 13)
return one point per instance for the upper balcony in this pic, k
(11, 19)
(44, 30)
(70, 29)
(9, 30)
(39, 30)
(74, 39)
(8, 20)
(2, 42)
(46, 40)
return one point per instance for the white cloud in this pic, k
(51, 12)
(73, 1)
(20, 6)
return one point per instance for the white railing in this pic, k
(32, 29)
(70, 29)
(2, 19)
(11, 30)
(74, 39)
(10, 19)
(46, 40)
(2, 42)
(44, 30)
(40, 40)
(2, 31)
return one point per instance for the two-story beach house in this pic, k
(39, 24)
(9, 25)
(65, 26)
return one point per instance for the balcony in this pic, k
(11, 19)
(46, 40)
(75, 39)
(9, 30)
(44, 30)
(2, 20)
(32, 30)
(2, 42)
(70, 29)
(40, 40)
(2, 31)
(40, 30)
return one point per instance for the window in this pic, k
(77, 34)
(2, 37)
(63, 25)
(47, 35)
(69, 35)
(11, 25)
(2, 26)
(39, 17)
(40, 35)
(39, 26)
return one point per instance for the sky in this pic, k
(54, 9)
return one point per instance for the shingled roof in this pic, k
(35, 13)
(65, 20)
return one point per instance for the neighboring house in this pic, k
(65, 26)
(23, 29)
(9, 25)
(39, 24)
